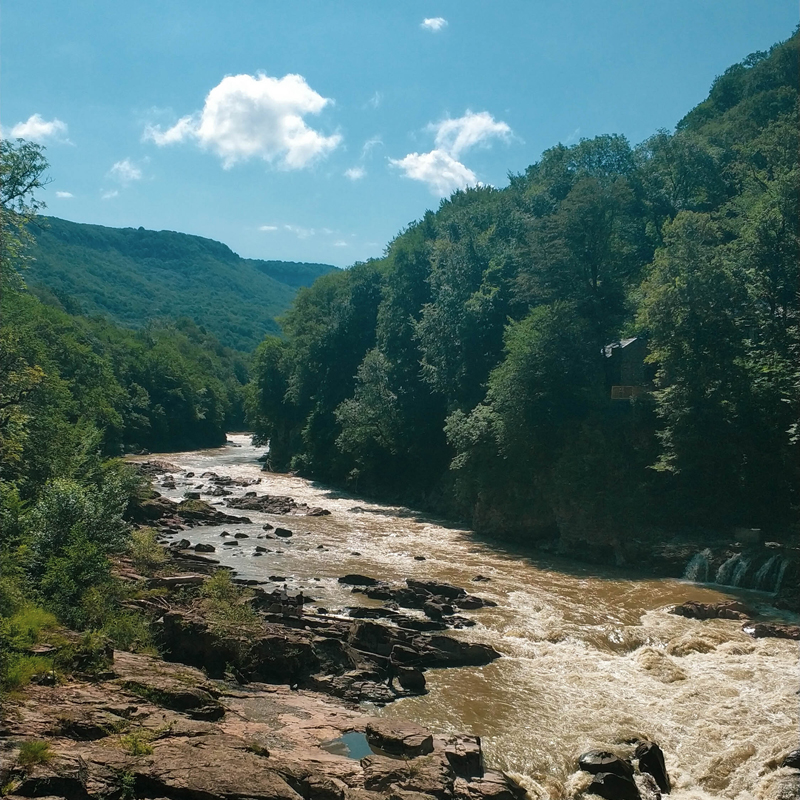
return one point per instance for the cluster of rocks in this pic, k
(436, 599)
(153, 729)
(616, 778)
(737, 611)
(352, 659)
(275, 504)
(173, 516)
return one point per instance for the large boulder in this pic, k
(400, 738)
(761, 630)
(651, 760)
(597, 761)
(612, 786)
(437, 588)
(728, 610)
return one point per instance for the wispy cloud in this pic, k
(441, 168)
(268, 228)
(433, 24)
(355, 173)
(255, 116)
(340, 243)
(125, 172)
(109, 195)
(573, 137)
(38, 129)
(300, 232)
(376, 99)
(65, 195)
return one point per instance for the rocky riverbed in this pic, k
(553, 673)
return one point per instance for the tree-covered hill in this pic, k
(134, 276)
(471, 368)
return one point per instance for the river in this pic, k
(590, 655)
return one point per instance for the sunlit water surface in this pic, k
(590, 655)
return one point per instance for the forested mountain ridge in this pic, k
(467, 368)
(133, 276)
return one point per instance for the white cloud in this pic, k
(433, 24)
(268, 228)
(441, 168)
(355, 173)
(457, 135)
(376, 99)
(125, 172)
(109, 195)
(65, 195)
(340, 243)
(38, 129)
(248, 116)
(438, 169)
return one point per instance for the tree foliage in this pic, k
(468, 368)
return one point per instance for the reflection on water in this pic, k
(591, 657)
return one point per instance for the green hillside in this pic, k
(133, 276)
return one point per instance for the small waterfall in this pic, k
(698, 567)
(732, 571)
(779, 579)
(770, 574)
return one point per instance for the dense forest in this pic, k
(477, 367)
(135, 276)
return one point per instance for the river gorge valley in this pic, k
(590, 657)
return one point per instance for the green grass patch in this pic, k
(33, 752)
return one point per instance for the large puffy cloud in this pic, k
(441, 168)
(248, 116)
(438, 169)
(457, 135)
(38, 129)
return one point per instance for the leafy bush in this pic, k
(147, 554)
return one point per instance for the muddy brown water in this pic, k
(590, 656)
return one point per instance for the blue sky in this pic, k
(315, 131)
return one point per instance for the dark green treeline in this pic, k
(466, 368)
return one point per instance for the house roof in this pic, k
(609, 349)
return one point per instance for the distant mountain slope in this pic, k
(133, 275)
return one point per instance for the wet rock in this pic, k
(436, 588)
(481, 579)
(284, 533)
(761, 630)
(219, 491)
(359, 580)
(240, 535)
(651, 760)
(267, 504)
(192, 495)
(612, 786)
(470, 601)
(597, 761)
(729, 610)
(204, 548)
(419, 558)
(181, 544)
(316, 511)
(231, 543)
(151, 509)
(260, 549)
(411, 680)
(400, 738)
(792, 760)
(442, 651)
(267, 527)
